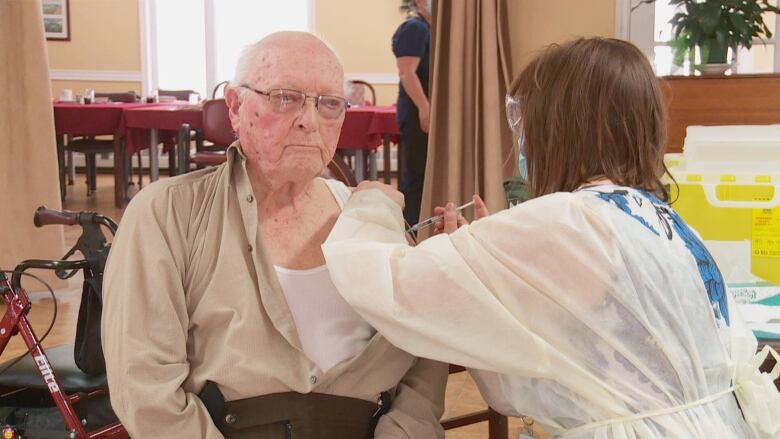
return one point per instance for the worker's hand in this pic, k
(425, 121)
(390, 191)
(480, 211)
(451, 221)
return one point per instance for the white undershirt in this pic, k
(329, 330)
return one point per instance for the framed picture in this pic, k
(56, 19)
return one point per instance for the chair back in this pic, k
(221, 85)
(216, 123)
(498, 424)
(341, 171)
(179, 95)
(357, 93)
(129, 96)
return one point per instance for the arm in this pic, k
(418, 404)
(407, 71)
(426, 300)
(145, 325)
(459, 298)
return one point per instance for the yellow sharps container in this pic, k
(728, 189)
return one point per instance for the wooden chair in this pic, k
(126, 97)
(219, 86)
(356, 96)
(498, 425)
(359, 98)
(770, 362)
(217, 130)
(340, 170)
(181, 95)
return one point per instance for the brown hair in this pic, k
(592, 108)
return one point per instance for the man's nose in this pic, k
(308, 119)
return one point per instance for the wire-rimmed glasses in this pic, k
(285, 101)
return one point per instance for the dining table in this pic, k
(103, 119)
(149, 125)
(138, 126)
(366, 128)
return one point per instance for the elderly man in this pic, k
(216, 286)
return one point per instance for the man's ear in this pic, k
(233, 101)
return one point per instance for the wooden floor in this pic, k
(462, 395)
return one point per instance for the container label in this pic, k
(766, 233)
(762, 293)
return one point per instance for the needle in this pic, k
(434, 219)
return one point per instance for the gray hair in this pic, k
(250, 58)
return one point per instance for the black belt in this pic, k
(294, 415)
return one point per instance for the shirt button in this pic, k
(250, 198)
(230, 419)
(249, 247)
(313, 379)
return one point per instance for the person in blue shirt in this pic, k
(411, 42)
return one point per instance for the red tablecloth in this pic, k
(165, 117)
(385, 120)
(364, 127)
(92, 119)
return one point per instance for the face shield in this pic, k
(515, 121)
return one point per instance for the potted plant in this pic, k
(714, 27)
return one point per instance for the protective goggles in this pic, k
(513, 116)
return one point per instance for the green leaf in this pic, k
(677, 19)
(679, 50)
(729, 23)
(739, 24)
(690, 8)
(710, 17)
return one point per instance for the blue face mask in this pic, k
(522, 163)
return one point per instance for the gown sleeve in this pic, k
(457, 298)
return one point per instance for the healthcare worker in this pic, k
(593, 307)
(411, 48)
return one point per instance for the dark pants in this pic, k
(415, 144)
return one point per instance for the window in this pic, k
(647, 26)
(195, 44)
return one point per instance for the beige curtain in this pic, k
(470, 144)
(28, 175)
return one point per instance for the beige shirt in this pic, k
(190, 295)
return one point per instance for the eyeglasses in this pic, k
(288, 101)
(513, 116)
